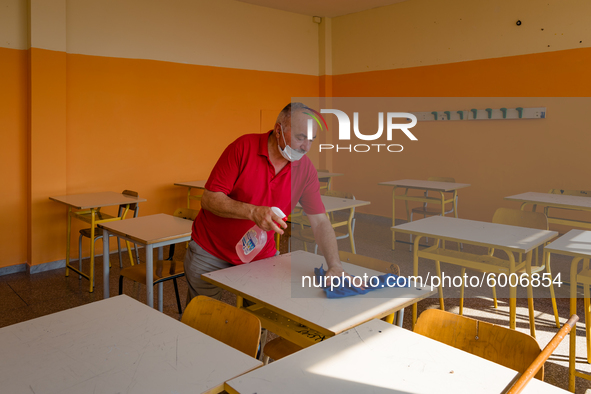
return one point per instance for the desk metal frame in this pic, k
(88, 206)
(549, 200)
(580, 250)
(149, 245)
(410, 184)
(473, 261)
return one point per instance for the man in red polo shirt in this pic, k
(255, 173)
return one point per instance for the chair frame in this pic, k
(423, 211)
(140, 269)
(304, 231)
(121, 214)
(515, 217)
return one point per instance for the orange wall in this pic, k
(13, 158)
(499, 158)
(152, 123)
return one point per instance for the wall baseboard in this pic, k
(51, 265)
(13, 269)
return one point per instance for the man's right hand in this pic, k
(267, 220)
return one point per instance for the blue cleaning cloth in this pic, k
(347, 289)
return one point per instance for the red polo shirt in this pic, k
(245, 173)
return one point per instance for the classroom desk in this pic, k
(413, 184)
(377, 357)
(333, 204)
(577, 244)
(490, 235)
(192, 185)
(549, 200)
(305, 316)
(153, 231)
(88, 210)
(114, 346)
(327, 177)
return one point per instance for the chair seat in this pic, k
(279, 348)
(87, 217)
(137, 272)
(98, 232)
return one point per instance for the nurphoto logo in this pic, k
(345, 130)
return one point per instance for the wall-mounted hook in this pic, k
(434, 113)
(520, 110)
(461, 114)
(504, 111)
(448, 113)
(475, 112)
(489, 110)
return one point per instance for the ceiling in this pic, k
(324, 8)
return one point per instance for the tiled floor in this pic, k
(24, 297)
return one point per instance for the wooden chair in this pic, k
(163, 269)
(510, 348)
(517, 217)
(432, 210)
(304, 232)
(98, 232)
(233, 326)
(280, 347)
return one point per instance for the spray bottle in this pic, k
(254, 240)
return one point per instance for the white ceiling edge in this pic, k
(323, 8)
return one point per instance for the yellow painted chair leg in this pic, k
(530, 299)
(462, 293)
(389, 318)
(415, 265)
(587, 314)
(438, 269)
(494, 293)
(572, 354)
(128, 245)
(552, 294)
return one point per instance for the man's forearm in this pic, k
(221, 205)
(325, 237)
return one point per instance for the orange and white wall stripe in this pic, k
(137, 94)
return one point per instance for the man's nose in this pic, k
(307, 145)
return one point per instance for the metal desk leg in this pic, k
(415, 272)
(160, 285)
(573, 333)
(69, 231)
(150, 275)
(105, 264)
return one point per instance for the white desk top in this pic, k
(196, 184)
(328, 174)
(378, 357)
(517, 239)
(332, 204)
(573, 243)
(116, 345)
(96, 200)
(557, 200)
(150, 229)
(277, 283)
(426, 185)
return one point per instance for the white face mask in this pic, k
(289, 153)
